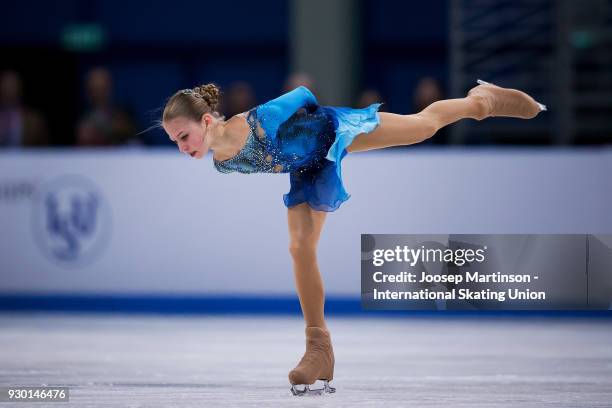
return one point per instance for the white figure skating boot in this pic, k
(500, 101)
(316, 364)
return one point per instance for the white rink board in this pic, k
(167, 224)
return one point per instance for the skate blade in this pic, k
(298, 391)
(481, 82)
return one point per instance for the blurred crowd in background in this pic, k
(108, 122)
(98, 73)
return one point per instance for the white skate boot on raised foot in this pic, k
(316, 364)
(505, 102)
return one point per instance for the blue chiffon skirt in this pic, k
(321, 186)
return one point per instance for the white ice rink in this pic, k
(145, 361)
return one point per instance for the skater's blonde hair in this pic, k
(193, 103)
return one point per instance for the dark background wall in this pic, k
(404, 41)
(154, 48)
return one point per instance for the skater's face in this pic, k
(190, 136)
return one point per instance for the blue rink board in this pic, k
(257, 305)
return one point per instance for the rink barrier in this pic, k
(238, 305)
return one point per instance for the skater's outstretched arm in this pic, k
(291, 101)
(273, 113)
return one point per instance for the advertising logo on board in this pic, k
(71, 220)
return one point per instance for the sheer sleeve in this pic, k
(273, 113)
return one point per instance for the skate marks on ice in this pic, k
(136, 361)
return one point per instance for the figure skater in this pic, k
(294, 134)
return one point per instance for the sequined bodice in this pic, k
(300, 142)
(252, 158)
(294, 134)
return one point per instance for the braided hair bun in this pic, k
(210, 93)
(192, 103)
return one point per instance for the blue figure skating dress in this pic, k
(294, 134)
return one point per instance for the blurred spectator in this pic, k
(299, 79)
(428, 90)
(19, 125)
(239, 98)
(368, 97)
(105, 123)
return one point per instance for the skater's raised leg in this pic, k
(305, 227)
(483, 101)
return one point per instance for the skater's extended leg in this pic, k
(482, 101)
(398, 130)
(305, 225)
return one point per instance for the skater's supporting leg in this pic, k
(397, 130)
(305, 225)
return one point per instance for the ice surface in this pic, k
(169, 361)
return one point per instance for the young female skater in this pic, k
(294, 134)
